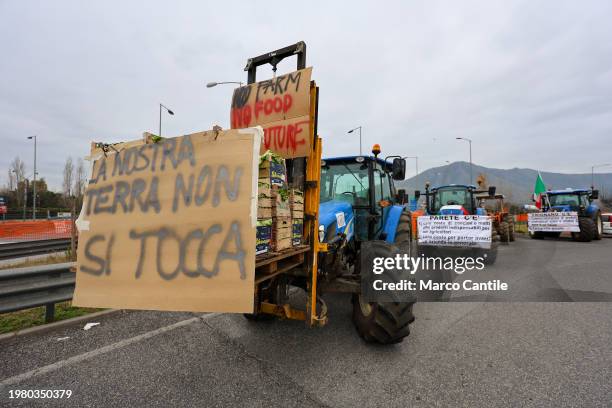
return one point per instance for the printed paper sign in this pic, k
(167, 226)
(281, 106)
(455, 230)
(340, 220)
(553, 222)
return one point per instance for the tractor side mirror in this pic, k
(398, 169)
(401, 196)
(492, 191)
(594, 194)
(417, 194)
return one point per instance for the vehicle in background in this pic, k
(3, 207)
(582, 202)
(606, 220)
(503, 221)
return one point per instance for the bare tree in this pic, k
(80, 179)
(11, 180)
(17, 169)
(68, 176)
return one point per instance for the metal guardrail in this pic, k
(28, 248)
(24, 288)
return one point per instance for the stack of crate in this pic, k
(281, 219)
(296, 202)
(263, 234)
(273, 201)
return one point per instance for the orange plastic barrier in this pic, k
(415, 215)
(33, 230)
(520, 217)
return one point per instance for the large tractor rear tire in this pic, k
(386, 322)
(512, 238)
(403, 233)
(598, 227)
(587, 230)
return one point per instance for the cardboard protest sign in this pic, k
(171, 225)
(455, 230)
(281, 106)
(553, 222)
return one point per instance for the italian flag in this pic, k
(538, 190)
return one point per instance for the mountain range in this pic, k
(516, 184)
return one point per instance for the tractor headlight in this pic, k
(321, 233)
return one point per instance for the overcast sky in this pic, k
(529, 82)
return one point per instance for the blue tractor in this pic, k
(459, 199)
(580, 201)
(360, 206)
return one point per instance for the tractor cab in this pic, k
(579, 200)
(358, 195)
(493, 205)
(454, 199)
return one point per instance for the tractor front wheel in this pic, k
(384, 323)
(598, 227)
(587, 230)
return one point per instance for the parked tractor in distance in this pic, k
(359, 205)
(580, 201)
(459, 199)
(503, 222)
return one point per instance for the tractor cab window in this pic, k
(378, 185)
(451, 196)
(584, 200)
(382, 186)
(386, 182)
(573, 200)
(345, 182)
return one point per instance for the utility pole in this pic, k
(34, 187)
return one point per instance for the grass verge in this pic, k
(34, 317)
(42, 260)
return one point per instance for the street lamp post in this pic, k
(351, 131)
(34, 180)
(160, 116)
(470, 142)
(212, 84)
(593, 172)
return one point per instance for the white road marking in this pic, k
(102, 350)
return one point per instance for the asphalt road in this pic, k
(463, 354)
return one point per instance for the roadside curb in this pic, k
(57, 325)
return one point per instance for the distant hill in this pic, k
(516, 184)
